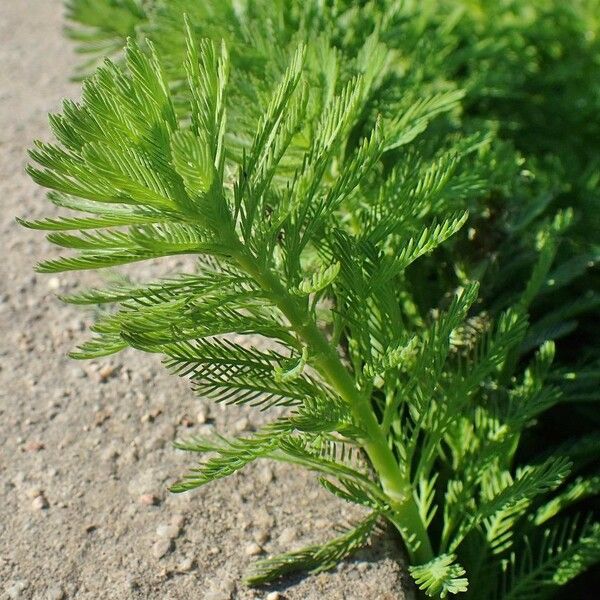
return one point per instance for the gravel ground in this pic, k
(85, 455)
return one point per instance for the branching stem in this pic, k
(326, 360)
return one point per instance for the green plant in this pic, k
(522, 67)
(323, 188)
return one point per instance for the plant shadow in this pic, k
(384, 551)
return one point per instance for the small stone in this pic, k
(161, 548)
(241, 425)
(185, 566)
(253, 549)
(168, 531)
(33, 446)
(148, 500)
(151, 416)
(15, 589)
(262, 536)
(266, 475)
(202, 416)
(287, 536)
(53, 283)
(106, 372)
(274, 596)
(40, 502)
(55, 593)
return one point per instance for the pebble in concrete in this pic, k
(162, 548)
(253, 549)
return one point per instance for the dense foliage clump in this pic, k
(401, 200)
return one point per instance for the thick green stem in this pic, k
(325, 358)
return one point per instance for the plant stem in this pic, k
(405, 517)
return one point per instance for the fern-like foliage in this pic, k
(440, 577)
(562, 552)
(100, 29)
(340, 195)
